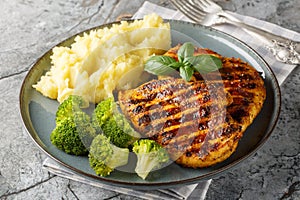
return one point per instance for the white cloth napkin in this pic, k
(173, 193)
(194, 191)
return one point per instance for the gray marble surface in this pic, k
(29, 28)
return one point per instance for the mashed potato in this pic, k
(105, 59)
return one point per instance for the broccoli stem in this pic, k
(118, 158)
(146, 163)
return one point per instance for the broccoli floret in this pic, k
(74, 133)
(104, 157)
(72, 104)
(113, 124)
(150, 156)
(103, 112)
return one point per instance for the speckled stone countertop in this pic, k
(30, 28)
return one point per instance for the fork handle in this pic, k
(284, 50)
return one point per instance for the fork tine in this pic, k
(189, 10)
(209, 5)
(189, 6)
(204, 4)
(201, 4)
(181, 7)
(209, 2)
(193, 6)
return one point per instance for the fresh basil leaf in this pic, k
(160, 65)
(205, 63)
(185, 51)
(176, 65)
(186, 72)
(166, 60)
(187, 63)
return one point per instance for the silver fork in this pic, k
(209, 13)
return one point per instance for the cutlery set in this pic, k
(208, 13)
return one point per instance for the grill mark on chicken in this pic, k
(177, 107)
(199, 122)
(192, 128)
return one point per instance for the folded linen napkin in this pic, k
(194, 191)
(175, 193)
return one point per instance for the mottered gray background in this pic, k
(30, 28)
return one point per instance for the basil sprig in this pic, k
(187, 63)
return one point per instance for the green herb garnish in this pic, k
(187, 63)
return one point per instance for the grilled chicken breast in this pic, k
(199, 122)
